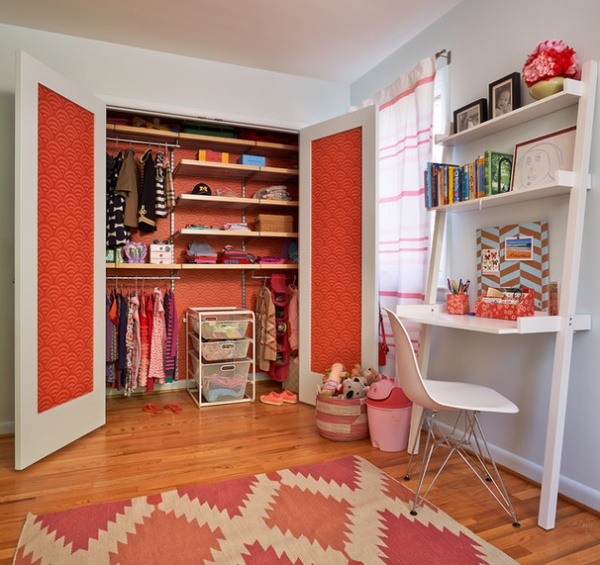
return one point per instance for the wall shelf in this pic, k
(570, 96)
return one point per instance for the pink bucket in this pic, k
(389, 413)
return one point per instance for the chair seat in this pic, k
(467, 396)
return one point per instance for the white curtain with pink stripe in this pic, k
(405, 126)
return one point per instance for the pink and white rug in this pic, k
(345, 511)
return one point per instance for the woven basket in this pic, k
(270, 222)
(342, 420)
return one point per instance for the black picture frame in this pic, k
(504, 95)
(470, 115)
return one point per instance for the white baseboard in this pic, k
(578, 492)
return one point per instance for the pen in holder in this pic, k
(457, 301)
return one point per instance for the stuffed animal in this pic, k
(370, 375)
(354, 387)
(332, 380)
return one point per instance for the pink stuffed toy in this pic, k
(332, 380)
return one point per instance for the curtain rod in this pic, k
(444, 53)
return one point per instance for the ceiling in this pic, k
(334, 40)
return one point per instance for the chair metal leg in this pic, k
(467, 443)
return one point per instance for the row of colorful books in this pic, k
(489, 174)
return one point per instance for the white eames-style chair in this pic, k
(467, 440)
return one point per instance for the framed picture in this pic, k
(490, 261)
(518, 249)
(470, 116)
(537, 161)
(505, 95)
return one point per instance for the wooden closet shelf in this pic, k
(144, 266)
(204, 266)
(142, 134)
(234, 233)
(232, 202)
(191, 167)
(197, 141)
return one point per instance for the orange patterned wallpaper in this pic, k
(65, 250)
(336, 212)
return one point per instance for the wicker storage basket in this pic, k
(271, 222)
(340, 419)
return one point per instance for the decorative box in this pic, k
(161, 253)
(213, 156)
(271, 222)
(505, 308)
(252, 160)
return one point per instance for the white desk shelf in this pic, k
(572, 184)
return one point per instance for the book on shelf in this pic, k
(498, 171)
(442, 184)
(486, 175)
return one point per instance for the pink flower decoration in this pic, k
(551, 58)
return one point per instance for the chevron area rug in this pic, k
(344, 511)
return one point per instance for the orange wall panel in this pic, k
(65, 250)
(336, 250)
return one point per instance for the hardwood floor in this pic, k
(138, 453)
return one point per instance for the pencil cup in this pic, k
(457, 303)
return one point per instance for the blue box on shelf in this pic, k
(254, 160)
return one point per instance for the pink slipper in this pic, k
(289, 397)
(174, 408)
(272, 398)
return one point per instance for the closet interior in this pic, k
(201, 216)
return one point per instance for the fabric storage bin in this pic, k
(272, 222)
(224, 350)
(224, 381)
(340, 419)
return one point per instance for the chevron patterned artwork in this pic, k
(534, 273)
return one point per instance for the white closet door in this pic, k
(338, 247)
(59, 262)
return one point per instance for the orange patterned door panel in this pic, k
(65, 250)
(336, 253)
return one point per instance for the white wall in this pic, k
(140, 78)
(489, 40)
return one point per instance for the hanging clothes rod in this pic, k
(267, 277)
(446, 54)
(123, 140)
(130, 278)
